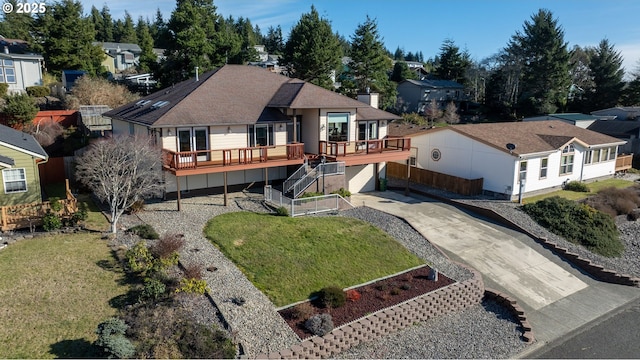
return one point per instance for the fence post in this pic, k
(4, 217)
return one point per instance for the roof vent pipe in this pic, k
(197, 78)
(6, 49)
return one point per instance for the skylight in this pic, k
(159, 104)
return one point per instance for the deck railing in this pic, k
(30, 215)
(344, 148)
(229, 157)
(306, 206)
(624, 162)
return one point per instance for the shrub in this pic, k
(353, 295)
(153, 289)
(55, 204)
(3, 89)
(193, 271)
(193, 286)
(51, 221)
(302, 311)
(614, 201)
(576, 186)
(578, 223)
(405, 286)
(167, 245)
(633, 216)
(282, 211)
(38, 91)
(342, 192)
(111, 339)
(319, 325)
(80, 215)
(20, 108)
(139, 258)
(332, 297)
(145, 231)
(311, 194)
(395, 291)
(199, 341)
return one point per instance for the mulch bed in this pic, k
(375, 296)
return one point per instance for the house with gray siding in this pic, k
(415, 95)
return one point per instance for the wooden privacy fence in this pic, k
(437, 180)
(28, 215)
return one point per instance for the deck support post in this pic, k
(225, 189)
(376, 170)
(406, 187)
(178, 187)
(266, 176)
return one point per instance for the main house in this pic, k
(530, 156)
(242, 125)
(20, 154)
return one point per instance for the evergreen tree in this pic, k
(312, 52)
(98, 23)
(159, 31)
(16, 25)
(398, 55)
(107, 20)
(274, 41)
(402, 72)
(148, 59)
(64, 38)
(453, 64)
(607, 72)
(545, 59)
(126, 30)
(370, 64)
(248, 39)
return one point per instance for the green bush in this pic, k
(3, 89)
(111, 340)
(282, 211)
(331, 297)
(576, 186)
(311, 194)
(145, 231)
(342, 192)
(38, 91)
(200, 341)
(193, 286)
(139, 258)
(578, 223)
(51, 221)
(153, 289)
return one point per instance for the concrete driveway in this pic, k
(557, 297)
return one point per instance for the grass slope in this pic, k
(55, 290)
(594, 187)
(289, 258)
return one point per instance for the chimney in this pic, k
(369, 98)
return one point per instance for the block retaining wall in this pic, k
(515, 309)
(598, 271)
(454, 297)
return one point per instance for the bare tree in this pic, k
(432, 112)
(121, 171)
(450, 115)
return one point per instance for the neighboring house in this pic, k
(20, 154)
(577, 119)
(20, 70)
(415, 95)
(241, 125)
(69, 78)
(620, 113)
(626, 130)
(545, 154)
(125, 55)
(109, 63)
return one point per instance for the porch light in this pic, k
(169, 132)
(322, 127)
(228, 129)
(280, 127)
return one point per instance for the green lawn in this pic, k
(55, 290)
(95, 218)
(573, 195)
(289, 258)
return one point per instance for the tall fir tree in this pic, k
(274, 42)
(545, 73)
(312, 52)
(126, 32)
(607, 73)
(159, 31)
(370, 64)
(453, 64)
(248, 38)
(98, 23)
(64, 37)
(16, 25)
(148, 59)
(107, 20)
(402, 72)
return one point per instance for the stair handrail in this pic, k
(302, 171)
(330, 168)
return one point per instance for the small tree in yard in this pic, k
(450, 115)
(121, 171)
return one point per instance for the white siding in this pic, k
(28, 73)
(220, 138)
(195, 182)
(361, 178)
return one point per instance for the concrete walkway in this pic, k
(557, 297)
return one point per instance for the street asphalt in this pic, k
(557, 297)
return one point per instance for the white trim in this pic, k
(4, 180)
(13, 147)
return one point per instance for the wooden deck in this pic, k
(367, 152)
(624, 162)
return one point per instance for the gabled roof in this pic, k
(235, 94)
(21, 141)
(435, 84)
(113, 46)
(617, 128)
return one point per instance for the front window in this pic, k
(566, 164)
(261, 135)
(338, 126)
(367, 130)
(523, 171)
(543, 168)
(15, 180)
(7, 71)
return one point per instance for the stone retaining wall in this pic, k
(515, 309)
(445, 300)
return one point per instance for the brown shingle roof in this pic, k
(533, 136)
(236, 94)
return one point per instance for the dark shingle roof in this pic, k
(617, 128)
(21, 140)
(436, 84)
(235, 94)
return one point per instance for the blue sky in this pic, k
(482, 26)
